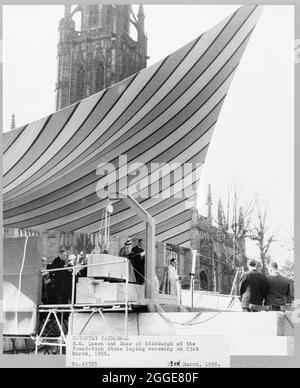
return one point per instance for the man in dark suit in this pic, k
(61, 280)
(137, 259)
(253, 287)
(278, 288)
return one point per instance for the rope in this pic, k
(150, 282)
(138, 324)
(100, 230)
(290, 322)
(190, 322)
(108, 232)
(20, 280)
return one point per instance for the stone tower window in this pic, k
(93, 14)
(80, 82)
(99, 77)
(109, 18)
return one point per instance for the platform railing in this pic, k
(71, 308)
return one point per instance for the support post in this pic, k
(194, 255)
(73, 298)
(126, 298)
(192, 289)
(234, 281)
(150, 262)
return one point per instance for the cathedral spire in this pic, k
(141, 10)
(141, 18)
(142, 37)
(209, 204)
(13, 121)
(220, 214)
(67, 11)
(241, 220)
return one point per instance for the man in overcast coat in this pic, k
(253, 287)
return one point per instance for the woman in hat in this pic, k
(126, 249)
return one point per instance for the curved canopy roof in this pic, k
(163, 114)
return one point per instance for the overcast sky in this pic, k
(253, 141)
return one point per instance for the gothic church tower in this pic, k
(101, 54)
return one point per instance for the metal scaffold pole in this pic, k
(126, 298)
(73, 298)
(192, 274)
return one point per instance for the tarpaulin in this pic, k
(21, 284)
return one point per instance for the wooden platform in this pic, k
(269, 324)
(264, 333)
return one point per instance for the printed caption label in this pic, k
(154, 351)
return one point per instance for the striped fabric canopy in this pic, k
(163, 114)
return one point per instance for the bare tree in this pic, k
(235, 223)
(288, 269)
(260, 233)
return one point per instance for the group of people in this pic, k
(258, 290)
(136, 256)
(57, 285)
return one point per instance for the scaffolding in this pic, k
(55, 313)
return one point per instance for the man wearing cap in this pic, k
(126, 249)
(137, 258)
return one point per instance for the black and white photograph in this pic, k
(148, 183)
